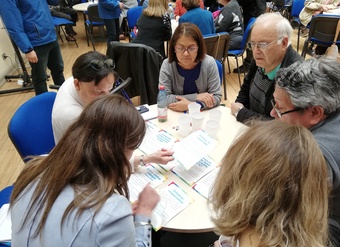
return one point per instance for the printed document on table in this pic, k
(173, 201)
(144, 175)
(204, 186)
(156, 140)
(196, 172)
(193, 148)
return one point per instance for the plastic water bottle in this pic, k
(171, 11)
(161, 105)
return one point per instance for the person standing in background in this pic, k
(109, 11)
(30, 26)
(128, 4)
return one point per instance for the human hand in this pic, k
(147, 201)
(180, 105)
(177, 18)
(207, 98)
(134, 207)
(235, 106)
(162, 156)
(121, 5)
(32, 57)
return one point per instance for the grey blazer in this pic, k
(112, 226)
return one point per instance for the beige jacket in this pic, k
(311, 9)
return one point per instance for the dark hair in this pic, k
(82, 70)
(90, 157)
(190, 4)
(189, 30)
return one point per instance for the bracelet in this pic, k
(141, 160)
(142, 223)
(238, 110)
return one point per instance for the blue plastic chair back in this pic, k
(132, 16)
(5, 195)
(220, 70)
(297, 6)
(30, 128)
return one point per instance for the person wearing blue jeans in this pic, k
(30, 25)
(109, 11)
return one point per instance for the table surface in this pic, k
(196, 217)
(82, 7)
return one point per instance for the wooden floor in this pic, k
(10, 162)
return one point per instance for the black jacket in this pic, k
(243, 96)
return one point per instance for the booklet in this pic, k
(173, 201)
(144, 175)
(204, 185)
(155, 139)
(196, 172)
(193, 148)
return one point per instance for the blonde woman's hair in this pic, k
(156, 8)
(273, 179)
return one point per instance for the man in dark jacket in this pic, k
(30, 25)
(270, 42)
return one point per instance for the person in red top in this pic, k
(180, 10)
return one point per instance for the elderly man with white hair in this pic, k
(270, 42)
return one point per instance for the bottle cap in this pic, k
(161, 87)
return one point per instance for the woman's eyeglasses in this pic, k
(261, 45)
(181, 49)
(99, 65)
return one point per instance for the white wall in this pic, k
(6, 47)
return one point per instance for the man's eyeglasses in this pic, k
(99, 65)
(279, 113)
(181, 49)
(261, 45)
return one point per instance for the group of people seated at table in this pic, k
(278, 185)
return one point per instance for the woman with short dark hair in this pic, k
(189, 75)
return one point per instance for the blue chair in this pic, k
(59, 24)
(297, 6)
(220, 69)
(93, 21)
(30, 128)
(239, 52)
(322, 32)
(132, 16)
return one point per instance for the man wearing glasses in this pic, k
(270, 43)
(308, 93)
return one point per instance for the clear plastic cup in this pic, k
(194, 107)
(215, 114)
(197, 120)
(184, 125)
(212, 128)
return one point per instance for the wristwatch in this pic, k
(141, 160)
(238, 110)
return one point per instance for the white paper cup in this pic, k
(184, 125)
(194, 107)
(212, 128)
(215, 114)
(197, 120)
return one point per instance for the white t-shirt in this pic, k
(66, 109)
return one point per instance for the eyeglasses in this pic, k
(190, 49)
(261, 45)
(99, 65)
(279, 113)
